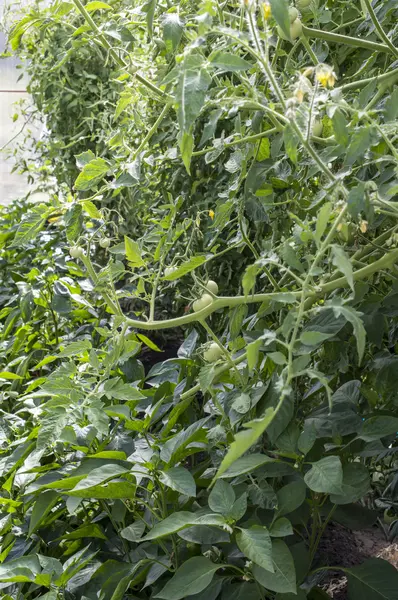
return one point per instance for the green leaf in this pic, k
(186, 149)
(32, 224)
(283, 579)
(91, 209)
(112, 490)
(290, 497)
(84, 158)
(343, 263)
(325, 476)
(313, 338)
(353, 317)
(180, 520)
(172, 31)
(96, 5)
(246, 464)
(180, 480)
(92, 173)
(133, 532)
(191, 93)
(282, 527)
(249, 279)
(42, 507)
(378, 427)
(245, 439)
(86, 531)
(191, 578)
(361, 140)
(222, 497)
(357, 200)
(375, 579)
(9, 375)
(289, 136)
(356, 484)
(149, 8)
(229, 62)
(133, 252)
(186, 267)
(99, 475)
(391, 106)
(340, 127)
(322, 220)
(264, 150)
(73, 222)
(277, 357)
(252, 351)
(280, 12)
(75, 348)
(256, 545)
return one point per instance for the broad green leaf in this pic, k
(356, 484)
(86, 531)
(118, 489)
(377, 427)
(133, 252)
(252, 351)
(358, 200)
(84, 158)
(290, 497)
(264, 150)
(255, 543)
(249, 279)
(133, 532)
(9, 375)
(282, 527)
(277, 357)
(186, 267)
(180, 480)
(375, 579)
(246, 464)
(245, 439)
(97, 5)
(100, 475)
(192, 577)
(42, 507)
(181, 520)
(353, 317)
(186, 149)
(73, 222)
(322, 220)
(191, 91)
(280, 12)
(283, 579)
(343, 264)
(391, 105)
(92, 173)
(91, 209)
(229, 62)
(149, 9)
(325, 476)
(222, 497)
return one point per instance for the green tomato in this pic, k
(293, 14)
(105, 242)
(213, 353)
(296, 29)
(317, 128)
(169, 270)
(202, 302)
(212, 287)
(76, 252)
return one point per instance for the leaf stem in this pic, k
(380, 31)
(344, 39)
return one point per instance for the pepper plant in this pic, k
(239, 194)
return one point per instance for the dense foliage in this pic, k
(222, 179)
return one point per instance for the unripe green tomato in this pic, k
(317, 128)
(76, 252)
(213, 353)
(293, 14)
(202, 302)
(105, 242)
(296, 29)
(169, 270)
(212, 287)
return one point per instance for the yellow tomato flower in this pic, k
(326, 76)
(266, 6)
(211, 214)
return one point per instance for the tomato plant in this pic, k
(222, 177)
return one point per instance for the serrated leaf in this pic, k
(133, 252)
(313, 338)
(172, 31)
(360, 142)
(186, 267)
(92, 173)
(229, 62)
(31, 225)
